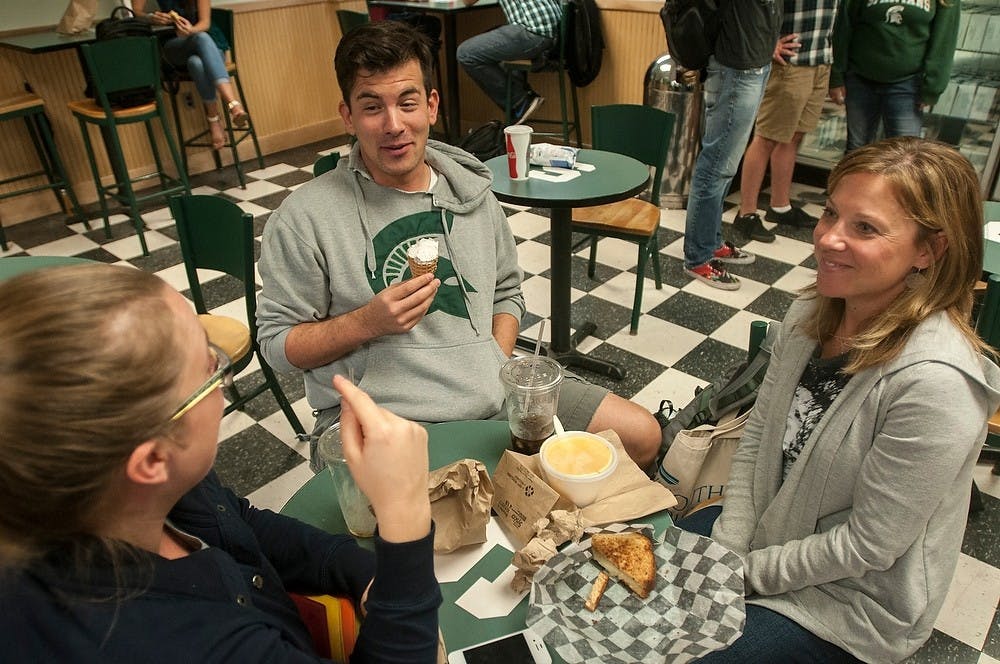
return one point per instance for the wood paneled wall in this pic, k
(285, 54)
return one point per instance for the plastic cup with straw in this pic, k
(532, 395)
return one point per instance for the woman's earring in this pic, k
(915, 279)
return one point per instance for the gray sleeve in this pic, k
(508, 298)
(295, 287)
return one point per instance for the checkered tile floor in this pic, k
(706, 328)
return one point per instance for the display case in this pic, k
(966, 114)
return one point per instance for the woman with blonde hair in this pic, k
(848, 494)
(117, 541)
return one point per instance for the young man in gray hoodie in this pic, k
(337, 291)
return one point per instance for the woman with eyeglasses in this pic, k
(117, 541)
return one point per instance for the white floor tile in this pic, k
(620, 289)
(536, 291)
(233, 423)
(176, 276)
(736, 331)
(749, 291)
(783, 249)
(67, 246)
(533, 257)
(129, 247)
(12, 248)
(673, 219)
(236, 309)
(674, 385)
(986, 659)
(527, 225)
(986, 480)
(621, 254)
(271, 171)
(278, 491)
(281, 428)
(205, 189)
(797, 278)
(157, 219)
(658, 340)
(968, 610)
(254, 190)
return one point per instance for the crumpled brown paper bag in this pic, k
(79, 16)
(461, 494)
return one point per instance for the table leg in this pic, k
(451, 67)
(562, 348)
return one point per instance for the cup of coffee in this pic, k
(518, 139)
(358, 513)
(532, 389)
(577, 464)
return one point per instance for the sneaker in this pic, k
(795, 217)
(713, 274)
(530, 104)
(730, 253)
(752, 228)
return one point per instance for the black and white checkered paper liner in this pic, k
(696, 607)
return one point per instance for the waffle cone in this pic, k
(418, 268)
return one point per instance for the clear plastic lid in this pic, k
(531, 372)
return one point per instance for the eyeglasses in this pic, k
(223, 375)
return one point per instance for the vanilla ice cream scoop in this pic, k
(422, 256)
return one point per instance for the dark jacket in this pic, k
(748, 32)
(227, 602)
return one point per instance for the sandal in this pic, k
(237, 114)
(215, 129)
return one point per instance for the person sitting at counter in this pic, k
(199, 47)
(117, 541)
(849, 491)
(338, 295)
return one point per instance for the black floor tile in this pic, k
(253, 457)
(710, 359)
(608, 317)
(639, 371)
(942, 649)
(693, 312)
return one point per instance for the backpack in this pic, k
(735, 391)
(585, 47)
(692, 28)
(123, 23)
(484, 142)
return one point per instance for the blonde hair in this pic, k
(83, 381)
(939, 191)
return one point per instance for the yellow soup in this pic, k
(577, 455)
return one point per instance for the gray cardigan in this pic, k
(860, 542)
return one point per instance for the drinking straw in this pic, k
(557, 425)
(534, 365)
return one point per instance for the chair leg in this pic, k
(279, 395)
(233, 146)
(250, 127)
(654, 254)
(60, 169)
(640, 278)
(89, 147)
(164, 181)
(125, 187)
(179, 128)
(179, 162)
(592, 262)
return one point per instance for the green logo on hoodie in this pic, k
(391, 265)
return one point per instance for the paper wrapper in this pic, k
(696, 607)
(461, 494)
(536, 518)
(78, 17)
(418, 268)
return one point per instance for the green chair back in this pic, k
(327, 162)
(988, 323)
(641, 132)
(122, 64)
(223, 20)
(215, 234)
(350, 20)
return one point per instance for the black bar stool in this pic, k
(32, 109)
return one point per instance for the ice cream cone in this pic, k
(418, 268)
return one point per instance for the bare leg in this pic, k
(634, 424)
(215, 124)
(782, 168)
(754, 165)
(236, 111)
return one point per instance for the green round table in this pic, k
(15, 265)
(484, 440)
(615, 177)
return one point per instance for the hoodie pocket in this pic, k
(458, 381)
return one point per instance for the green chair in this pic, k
(216, 234)
(643, 133)
(116, 65)
(556, 62)
(349, 20)
(222, 19)
(32, 109)
(327, 162)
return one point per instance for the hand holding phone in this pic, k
(524, 647)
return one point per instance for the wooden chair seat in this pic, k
(90, 108)
(228, 334)
(20, 103)
(994, 423)
(633, 216)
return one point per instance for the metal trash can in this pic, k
(666, 88)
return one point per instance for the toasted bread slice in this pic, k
(597, 591)
(629, 558)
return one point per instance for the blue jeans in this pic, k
(767, 636)
(481, 57)
(895, 105)
(732, 97)
(203, 60)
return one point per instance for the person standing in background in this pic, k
(531, 32)
(891, 60)
(791, 108)
(737, 74)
